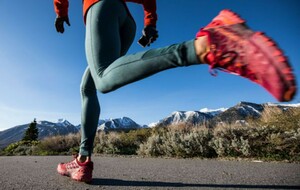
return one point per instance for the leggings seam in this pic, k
(103, 75)
(91, 41)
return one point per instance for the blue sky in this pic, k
(41, 70)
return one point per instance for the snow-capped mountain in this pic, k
(123, 123)
(238, 113)
(213, 112)
(241, 111)
(191, 117)
(118, 124)
(247, 110)
(61, 127)
(45, 128)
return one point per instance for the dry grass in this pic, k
(276, 136)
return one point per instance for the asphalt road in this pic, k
(149, 173)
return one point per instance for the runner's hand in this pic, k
(150, 34)
(59, 23)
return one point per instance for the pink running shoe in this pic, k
(78, 171)
(236, 49)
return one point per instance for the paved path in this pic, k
(149, 173)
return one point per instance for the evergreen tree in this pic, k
(32, 132)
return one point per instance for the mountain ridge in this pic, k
(238, 113)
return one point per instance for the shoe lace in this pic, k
(221, 61)
(217, 58)
(225, 62)
(71, 163)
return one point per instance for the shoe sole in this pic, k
(78, 180)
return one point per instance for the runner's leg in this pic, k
(109, 43)
(104, 35)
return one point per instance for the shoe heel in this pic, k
(288, 95)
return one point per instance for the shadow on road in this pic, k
(127, 183)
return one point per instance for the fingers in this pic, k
(150, 33)
(68, 21)
(154, 37)
(59, 23)
(59, 27)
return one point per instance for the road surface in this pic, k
(149, 173)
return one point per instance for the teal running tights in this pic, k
(110, 31)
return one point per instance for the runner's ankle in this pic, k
(201, 48)
(83, 159)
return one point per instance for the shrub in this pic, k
(232, 141)
(120, 142)
(179, 141)
(268, 142)
(20, 148)
(59, 145)
(101, 143)
(286, 119)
